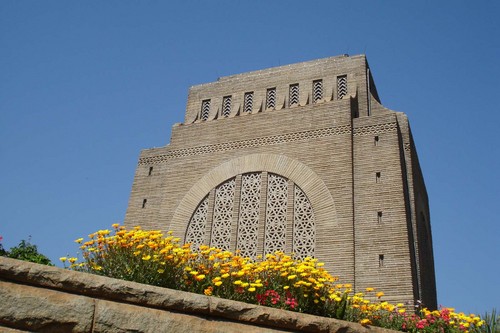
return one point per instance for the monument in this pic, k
(301, 158)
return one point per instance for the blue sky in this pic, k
(85, 85)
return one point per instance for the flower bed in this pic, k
(276, 280)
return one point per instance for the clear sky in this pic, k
(85, 85)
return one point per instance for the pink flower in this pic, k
(421, 323)
(291, 302)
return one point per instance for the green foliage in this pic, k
(492, 322)
(27, 252)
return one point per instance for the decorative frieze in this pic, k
(375, 129)
(263, 141)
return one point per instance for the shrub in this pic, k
(27, 252)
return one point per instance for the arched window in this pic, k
(256, 213)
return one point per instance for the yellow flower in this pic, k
(161, 271)
(291, 277)
(146, 257)
(365, 322)
(218, 283)
(369, 289)
(200, 277)
(380, 294)
(63, 259)
(208, 291)
(225, 275)
(72, 260)
(251, 289)
(115, 225)
(79, 240)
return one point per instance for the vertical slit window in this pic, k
(380, 260)
(317, 91)
(293, 95)
(341, 86)
(150, 171)
(271, 98)
(377, 177)
(376, 140)
(144, 203)
(226, 106)
(205, 109)
(379, 217)
(248, 102)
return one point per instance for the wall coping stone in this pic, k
(146, 296)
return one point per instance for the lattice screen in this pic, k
(196, 228)
(294, 95)
(271, 98)
(205, 109)
(248, 222)
(277, 199)
(226, 106)
(341, 86)
(223, 215)
(304, 231)
(270, 221)
(248, 102)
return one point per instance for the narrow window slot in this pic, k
(226, 106)
(271, 98)
(293, 95)
(341, 86)
(248, 102)
(205, 109)
(317, 91)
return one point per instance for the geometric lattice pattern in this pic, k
(195, 233)
(223, 215)
(251, 215)
(341, 86)
(317, 90)
(205, 109)
(271, 98)
(248, 102)
(276, 210)
(294, 95)
(304, 231)
(248, 222)
(226, 106)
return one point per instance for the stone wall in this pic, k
(37, 298)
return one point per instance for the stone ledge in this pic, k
(48, 299)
